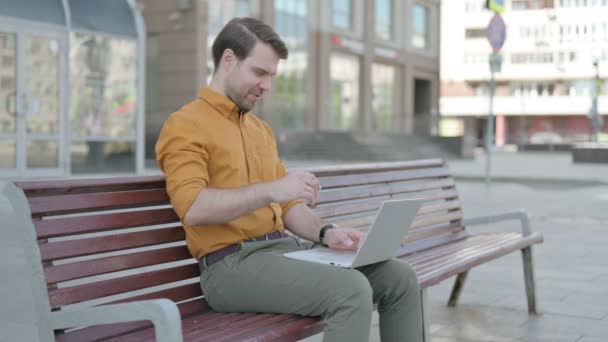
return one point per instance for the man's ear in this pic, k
(228, 58)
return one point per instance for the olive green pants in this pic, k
(258, 278)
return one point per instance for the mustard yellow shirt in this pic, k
(207, 143)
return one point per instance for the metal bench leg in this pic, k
(426, 331)
(526, 254)
(457, 289)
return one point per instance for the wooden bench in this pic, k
(117, 242)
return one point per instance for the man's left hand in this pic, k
(344, 238)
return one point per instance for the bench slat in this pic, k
(374, 204)
(341, 169)
(381, 177)
(364, 191)
(87, 268)
(68, 204)
(435, 241)
(102, 332)
(411, 186)
(109, 243)
(422, 234)
(281, 328)
(442, 250)
(293, 330)
(455, 266)
(264, 321)
(469, 247)
(58, 187)
(366, 219)
(50, 228)
(198, 325)
(434, 219)
(192, 326)
(75, 294)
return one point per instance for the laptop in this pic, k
(381, 242)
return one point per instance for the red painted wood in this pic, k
(87, 268)
(49, 228)
(74, 248)
(104, 288)
(68, 204)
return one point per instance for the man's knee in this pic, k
(401, 275)
(354, 291)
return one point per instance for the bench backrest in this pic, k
(117, 239)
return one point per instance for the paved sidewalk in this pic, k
(530, 166)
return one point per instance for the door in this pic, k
(32, 98)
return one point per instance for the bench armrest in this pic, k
(162, 312)
(520, 215)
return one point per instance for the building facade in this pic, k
(544, 90)
(71, 88)
(361, 66)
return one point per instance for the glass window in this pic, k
(342, 14)
(42, 82)
(383, 97)
(220, 13)
(344, 77)
(384, 19)
(475, 33)
(8, 154)
(420, 26)
(102, 157)
(291, 22)
(103, 87)
(8, 83)
(42, 154)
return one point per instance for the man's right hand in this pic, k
(296, 185)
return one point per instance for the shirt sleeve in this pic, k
(282, 172)
(183, 158)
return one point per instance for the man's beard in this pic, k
(239, 101)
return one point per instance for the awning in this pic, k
(95, 16)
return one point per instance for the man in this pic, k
(235, 198)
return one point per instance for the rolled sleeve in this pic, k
(182, 157)
(285, 206)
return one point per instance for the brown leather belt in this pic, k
(220, 254)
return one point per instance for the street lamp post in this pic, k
(595, 118)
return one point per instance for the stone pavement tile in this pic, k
(452, 339)
(472, 317)
(593, 287)
(564, 324)
(558, 307)
(592, 339)
(505, 330)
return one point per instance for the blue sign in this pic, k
(497, 32)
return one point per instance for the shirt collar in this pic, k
(221, 103)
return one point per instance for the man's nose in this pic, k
(265, 84)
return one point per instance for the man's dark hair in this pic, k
(241, 34)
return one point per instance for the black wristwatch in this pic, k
(324, 230)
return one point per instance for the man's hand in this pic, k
(344, 238)
(297, 184)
